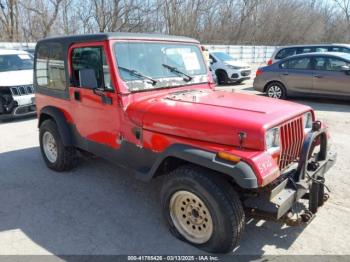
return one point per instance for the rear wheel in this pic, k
(202, 209)
(56, 155)
(276, 90)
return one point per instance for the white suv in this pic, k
(16, 84)
(228, 69)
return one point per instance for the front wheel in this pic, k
(202, 209)
(222, 77)
(276, 90)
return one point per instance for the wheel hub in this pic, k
(274, 92)
(191, 217)
(50, 147)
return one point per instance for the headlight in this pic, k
(272, 139)
(307, 121)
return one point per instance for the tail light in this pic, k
(258, 72)
(269, 62)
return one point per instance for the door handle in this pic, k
(285, 74)
(77, 95)
(318, 76)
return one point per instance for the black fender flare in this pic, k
(241, 172)
(63, 127)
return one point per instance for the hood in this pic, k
(237, 63)
(214, 116)
(16, 78)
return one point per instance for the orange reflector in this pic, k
(228, 157)
(277, 159)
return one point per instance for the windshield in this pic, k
(155, 65)
(16, 62)
(223, 56)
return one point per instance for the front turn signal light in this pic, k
(228, 157)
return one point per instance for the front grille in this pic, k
(292, 137)
(22, 90)
(245, 73)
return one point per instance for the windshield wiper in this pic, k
(187, 77)
(138, 74)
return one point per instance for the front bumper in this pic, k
(239, 75)
(25, 106)
(306, 180)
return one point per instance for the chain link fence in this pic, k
(249, 54)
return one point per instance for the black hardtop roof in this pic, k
(118, 36)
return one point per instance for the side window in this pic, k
(339, 49)
(91, 58)
(329, 63)
(320, 63)
(212, 58)
(56, 69)
(321, 49)
(286, 52)
(303, 50)
(297, 63)
(335, 64)
(50, 69)
(41, 70)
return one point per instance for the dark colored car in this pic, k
(313, 74)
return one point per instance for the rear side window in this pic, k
(50, 68)
(284, 53)
(297, 63)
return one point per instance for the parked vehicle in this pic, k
(228, 69)
(287, 51)
(147, 102)
(314, 74)
(16, 84)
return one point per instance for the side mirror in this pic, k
(87, 78)
(211, 61)
(345, 69)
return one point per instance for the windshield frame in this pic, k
(31, 58)
(123, 83)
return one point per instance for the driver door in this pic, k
(329, 78)
(95, 111)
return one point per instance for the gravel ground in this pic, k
(101, 209)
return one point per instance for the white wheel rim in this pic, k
(191, 217)
(274, 92)
(50, 147)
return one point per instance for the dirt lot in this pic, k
(101, 209)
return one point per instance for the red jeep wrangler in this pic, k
(147, 102)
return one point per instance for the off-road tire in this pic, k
(222, 77)
(220, 198)
(278, 85)
(66, 155)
